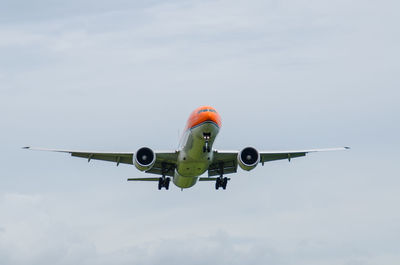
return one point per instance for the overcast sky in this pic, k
(119, 75)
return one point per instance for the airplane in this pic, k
(194, 157)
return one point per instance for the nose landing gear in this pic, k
(206, 147)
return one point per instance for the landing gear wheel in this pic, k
(160, 183)
(166, 183)
(217, 183)
(224, 183)
(221, 183)
(163, 183)
(206, 147)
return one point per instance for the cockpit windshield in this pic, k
(206, 110)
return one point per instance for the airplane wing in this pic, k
(166, 159)
(226, 161)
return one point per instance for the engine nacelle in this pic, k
(145, 159)
(248, 158)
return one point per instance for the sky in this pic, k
(119, 75)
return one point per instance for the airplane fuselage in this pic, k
(195, 152)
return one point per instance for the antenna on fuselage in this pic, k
(179, 138)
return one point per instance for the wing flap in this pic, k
(166, 159)
(267, 156)
(117, 158)
(278, 156)
(226, 161)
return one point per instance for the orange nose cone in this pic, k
(203, 114)
(213, 117)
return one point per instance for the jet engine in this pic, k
(145, 159)
(248, 158)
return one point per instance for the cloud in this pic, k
(32, 226)
(32, 236)
(90, 232)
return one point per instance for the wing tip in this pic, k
(26, 147)
(347, 147)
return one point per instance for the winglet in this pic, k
(26, 147)
(347, 147)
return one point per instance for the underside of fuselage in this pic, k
(195, 154)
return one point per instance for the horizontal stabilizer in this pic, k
(143, 179)
(209, 179)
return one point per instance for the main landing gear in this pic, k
(163, 182)
(222, 181)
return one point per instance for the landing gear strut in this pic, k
(163, 182)
(221, 181)
(206, 147)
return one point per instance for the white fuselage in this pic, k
(193, 161)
